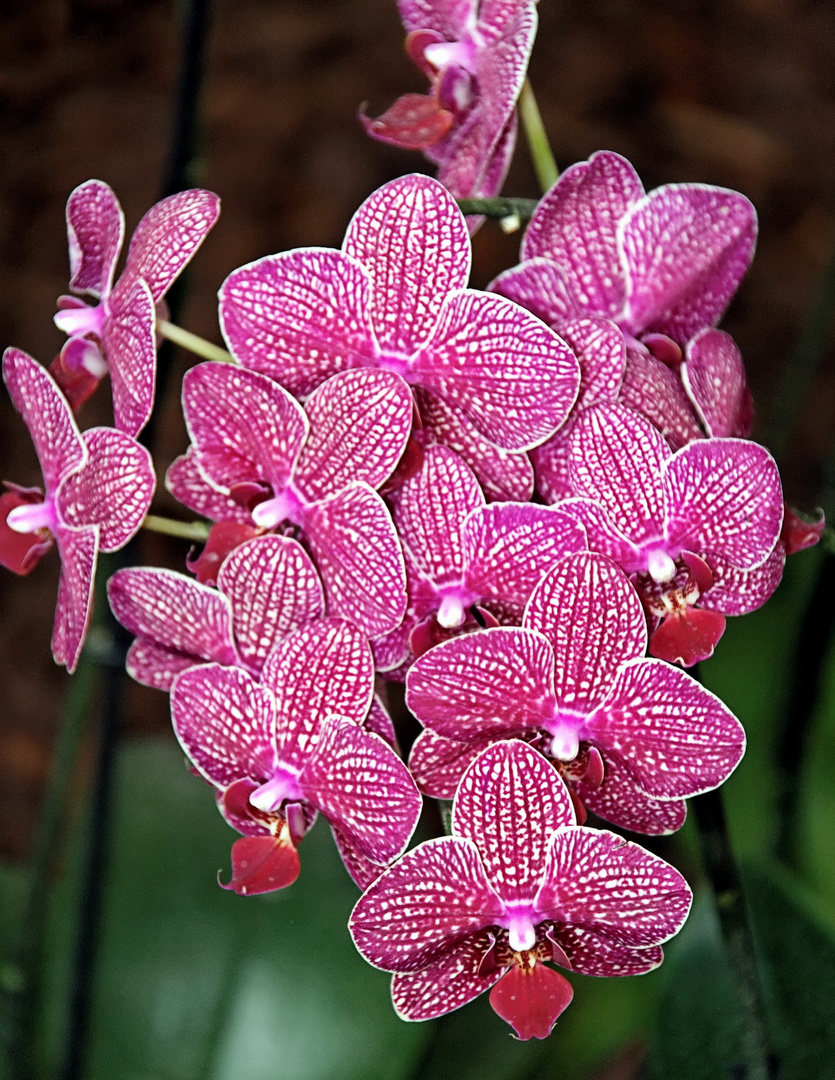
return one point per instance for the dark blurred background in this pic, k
(739, 93)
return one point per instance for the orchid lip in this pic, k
(281, 788)
(76, 322)
(32, 517)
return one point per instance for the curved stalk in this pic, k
(186, 530)
(543, 158)
(198, 345)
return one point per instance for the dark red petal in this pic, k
(416, 45)
(797, 534)
(19, 552)
(409, 465)
(75, 381)
(530, 999)
(663, 348)
(687, 637)
(578, 804)
(262, 864)
(413, 122)
(701, 572)
(224, 537)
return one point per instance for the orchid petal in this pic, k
(359, 425)
(510, 547)
(542, 287)
(588, 610)
(651, 389)
(168, 236)
(357, 553)
(129, 343)
(78, 549)
(318, 670)
(679, 739)
(188, 486)
(738, 592)
(616, 458)
(512, 376)
(224, 721)
(714, 377)
(427, 902)
(685, 249)
(576, 226)
(448, 983)
(622, 802)
(299, 317)
(438, 763)
(609, 885)
(47, 416)
(429, 512)
(245, 427)
(363, 789)
(113, 489)
(96, 231)
(509, 802)
(724, 495)
(412, 240)
(178, 622)
(363, 871)
(491, 684)
(273, 589)
(449, 18)
(595, 954)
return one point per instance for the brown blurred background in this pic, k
(733, 92)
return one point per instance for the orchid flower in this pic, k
(698, 528)
(475, 55)
(294, 744)
(118, 333)
(518, 885)
(394, 298)
(632, 737)
(98, 486)
(263, 460)
(465, 561)
(267, 588)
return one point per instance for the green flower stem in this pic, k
(187, 530)
(723, 873)
(193, 343)
(503, 209)
(543, 159)
(20, 975)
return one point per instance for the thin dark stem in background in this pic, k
(500, 208)
(723, 873)
(93, 882)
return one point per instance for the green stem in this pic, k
(720, 865)
(19, 979)
(193, 343)
(503, 209)
(187, 530)
(543, 158)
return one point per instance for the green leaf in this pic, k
(796, 946)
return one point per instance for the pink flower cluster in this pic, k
(503, 499)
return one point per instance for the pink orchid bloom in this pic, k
(97, 489)
(267, 588)
(466, 561)
(118, 333)
(475, 55)
(698, 529)
(303, 749)
(632, 737)
(518, 885)
(394, 298)
(264, 460)
(666, 263)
